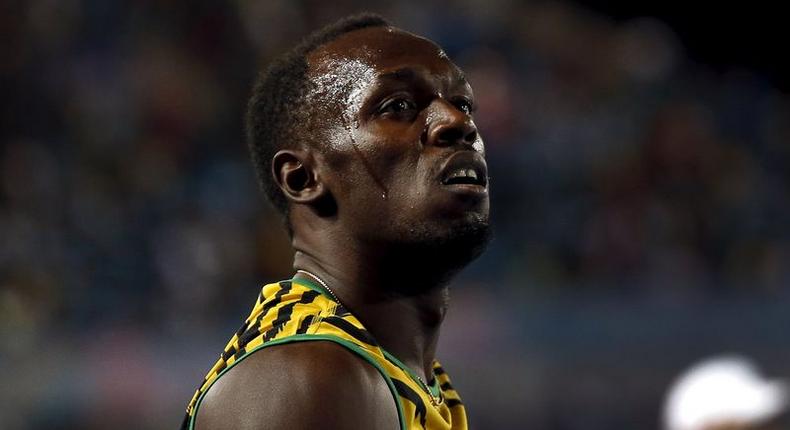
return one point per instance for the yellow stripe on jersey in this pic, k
(299, 311)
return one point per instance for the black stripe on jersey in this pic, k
(285, 288)
(308, 297)
(453, 402)
(286, 312)
(249, 335)
(352, 330)
(241, 329)
(304, 325)
(255, 330)
(340, 310)
(438, 370)
(228, 353)
(447, 386)
(412, 396)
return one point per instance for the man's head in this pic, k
(375, 134)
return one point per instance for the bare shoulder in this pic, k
(303, 385)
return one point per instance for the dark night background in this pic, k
(723, 35)
(640, 163)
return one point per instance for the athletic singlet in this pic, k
(298, 311)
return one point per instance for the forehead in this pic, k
(363, 54)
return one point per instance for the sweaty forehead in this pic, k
(376, 50)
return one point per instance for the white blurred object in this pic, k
(725, 389)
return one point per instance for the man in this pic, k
(363, 138)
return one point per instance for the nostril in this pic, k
(471, 137)
(450, 135)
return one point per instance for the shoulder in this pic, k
(316, 384)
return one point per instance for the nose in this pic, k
(448, 126)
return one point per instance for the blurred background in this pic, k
(640, 160)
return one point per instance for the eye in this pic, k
(464, 105)
(398, 105)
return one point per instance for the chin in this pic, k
(434, 252)
(469, 237)
(452, 244)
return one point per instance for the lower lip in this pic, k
(466, 189)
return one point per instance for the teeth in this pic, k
(464, 173)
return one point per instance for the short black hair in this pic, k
(279, 102)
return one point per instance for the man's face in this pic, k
(405, 161)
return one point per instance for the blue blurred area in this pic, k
(640, 201)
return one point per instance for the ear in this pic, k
(294, 173)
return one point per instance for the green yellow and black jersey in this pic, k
(299, 311)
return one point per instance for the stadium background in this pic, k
(639, 160)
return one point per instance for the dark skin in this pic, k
(376, 218)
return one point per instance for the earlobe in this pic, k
(293, 172)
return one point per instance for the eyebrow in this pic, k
(410, 73)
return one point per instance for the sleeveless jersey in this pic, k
(299, 311)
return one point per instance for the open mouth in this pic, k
(464, 176)
(465, 168)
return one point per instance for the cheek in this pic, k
(413, 189)
(380, 164)
(386, 153)
(387, 139)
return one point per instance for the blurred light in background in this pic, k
(724, 392)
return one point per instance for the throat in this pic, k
(408, 327)
(401, 301)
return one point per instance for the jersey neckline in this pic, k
(433, 384)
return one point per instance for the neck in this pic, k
(396, 297)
